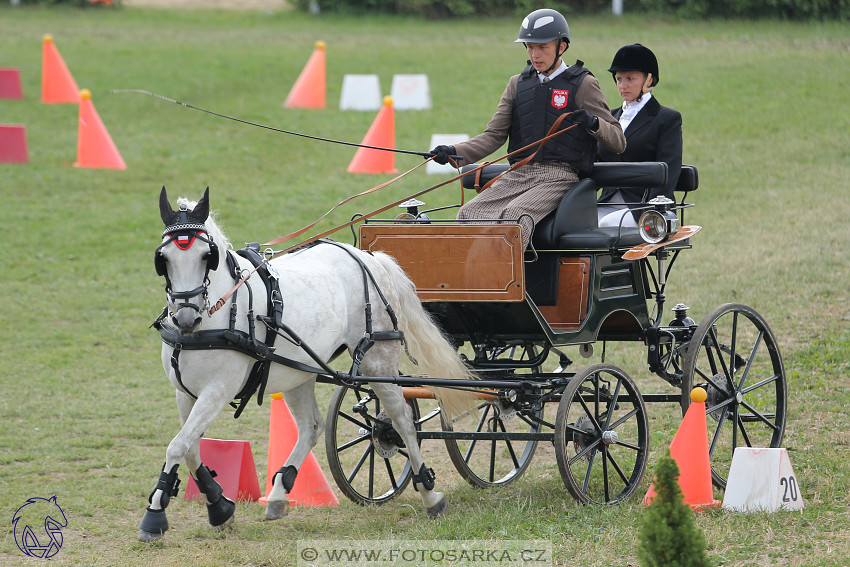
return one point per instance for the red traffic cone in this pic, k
(57, 84)
(380, 134)
(13, 144)
(10, 84)
(95, 148)
(311, 487)
(309, 90)
(233, 463)
(689, 449)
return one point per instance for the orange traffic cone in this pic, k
(311, 487)
(13, 144)
(233, 463)
(57, 84)
(10, 84)
(381, 134)
(689, 449)
(309, 89)
(95, 148)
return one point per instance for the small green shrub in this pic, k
(668, 535)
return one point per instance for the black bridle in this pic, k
(192, 231)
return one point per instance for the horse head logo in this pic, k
(38, 527)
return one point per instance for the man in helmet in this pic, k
(653, 132)
(531, 104)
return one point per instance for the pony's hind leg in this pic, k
(382, 360)
(196, 416)
(310, 423)
(399, 412)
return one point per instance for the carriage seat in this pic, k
(574, 224)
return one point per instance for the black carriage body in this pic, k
(603, 298)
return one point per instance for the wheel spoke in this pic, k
(759, 415)
(359, 464)
(606, 487)
(623, 419)
(612, 405)
(631, 446)
(391, 474)
(717, 430)
(588, 471)
(743, 434)
(750, 360)
(478, 429)
(354, 420)
(584, 451)
(508, 445)
(764, 382)
(352, 443)
(617, 468)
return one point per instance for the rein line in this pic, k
(539, 143)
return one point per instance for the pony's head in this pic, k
(186, 257)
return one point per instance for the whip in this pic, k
(272, 128)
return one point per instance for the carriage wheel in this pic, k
(365, 454)
(601, 435)
(492, 462)
(484, 463)
(737, 361)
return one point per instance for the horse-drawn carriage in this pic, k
(507, 312)
(582, 285)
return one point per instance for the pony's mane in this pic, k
(213, 229)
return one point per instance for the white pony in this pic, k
(324, 303)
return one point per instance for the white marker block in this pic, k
(411, 92)
(434, 168)
(762, 480)
(360, 92)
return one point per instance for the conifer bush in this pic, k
(669, 537)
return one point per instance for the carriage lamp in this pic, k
(412, 211)
(659, 222)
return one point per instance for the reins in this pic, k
(477, 171)
(539, 143)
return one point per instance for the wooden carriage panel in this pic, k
(454, 262)
(571, 308)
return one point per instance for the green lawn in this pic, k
(87, 412)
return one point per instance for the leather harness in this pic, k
(263, 351)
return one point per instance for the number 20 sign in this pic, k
(762, 480)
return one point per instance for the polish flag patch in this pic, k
(560, 98)
(184, 241)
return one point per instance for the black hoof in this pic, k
(221, 513)
(276, 509)
(439, 509)
(154, 524)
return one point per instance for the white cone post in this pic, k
(360, 92)
(411, 92)
(762, 480)
(434, 168)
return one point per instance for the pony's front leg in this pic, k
(423, 477)
(310, 423)
(196, 416)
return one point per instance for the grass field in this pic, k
(86, 410)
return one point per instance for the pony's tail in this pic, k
(428, 345)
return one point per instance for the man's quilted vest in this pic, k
(537, 106)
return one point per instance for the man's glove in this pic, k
(441, 154)
(584, 119)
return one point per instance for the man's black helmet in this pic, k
(635, 57)
(543, 26)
